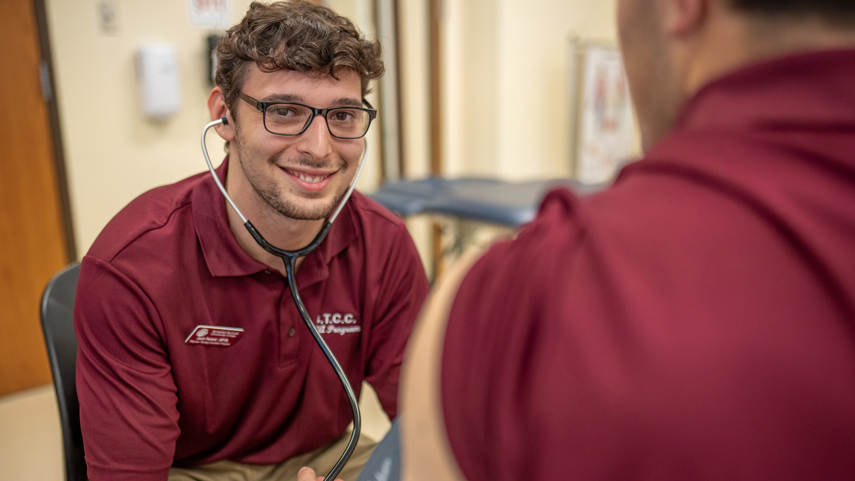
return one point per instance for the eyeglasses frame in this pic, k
(263, 106)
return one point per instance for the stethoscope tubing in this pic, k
(289, 258)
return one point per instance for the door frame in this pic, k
(49, 92)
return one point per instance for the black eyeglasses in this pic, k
(288, 118)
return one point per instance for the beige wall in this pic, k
(507, 83)
(112, 152)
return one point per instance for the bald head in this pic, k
(834, 13)
(672, 48)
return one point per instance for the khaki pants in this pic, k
(321, 461)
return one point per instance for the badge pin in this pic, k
(214, 335)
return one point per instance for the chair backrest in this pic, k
(57, 310)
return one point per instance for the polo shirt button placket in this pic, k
(289, 321)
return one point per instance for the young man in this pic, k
(697, 320)
(176, 271)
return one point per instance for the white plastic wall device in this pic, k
(159, 80)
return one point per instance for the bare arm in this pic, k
(426, 453)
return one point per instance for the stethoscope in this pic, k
(290, 259)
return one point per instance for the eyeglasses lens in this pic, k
(290, 119)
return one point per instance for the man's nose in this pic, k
(316, 140)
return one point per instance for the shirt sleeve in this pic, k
(402, 287)
(125, 386)
(498, 337)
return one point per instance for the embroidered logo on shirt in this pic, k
(337, 324)
(214, 335)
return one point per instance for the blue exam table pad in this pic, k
(494, 201)
(410, 197)
(385, 462)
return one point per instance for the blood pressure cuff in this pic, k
(385, 462)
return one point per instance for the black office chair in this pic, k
(56, 313)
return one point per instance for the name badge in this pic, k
(214, 335)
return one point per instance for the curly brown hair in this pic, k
(295, 35)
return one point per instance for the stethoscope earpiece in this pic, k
(224, 120)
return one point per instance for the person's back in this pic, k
(695, 321)
(682, 321)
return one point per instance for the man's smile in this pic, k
(312, 179)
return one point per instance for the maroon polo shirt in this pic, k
(696, 321)
(191, 352)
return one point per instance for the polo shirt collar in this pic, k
(812, 88)
(225, 257)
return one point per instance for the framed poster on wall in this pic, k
(603, 131)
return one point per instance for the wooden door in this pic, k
(33, 242)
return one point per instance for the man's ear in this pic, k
(682, 17)
(218, 109)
